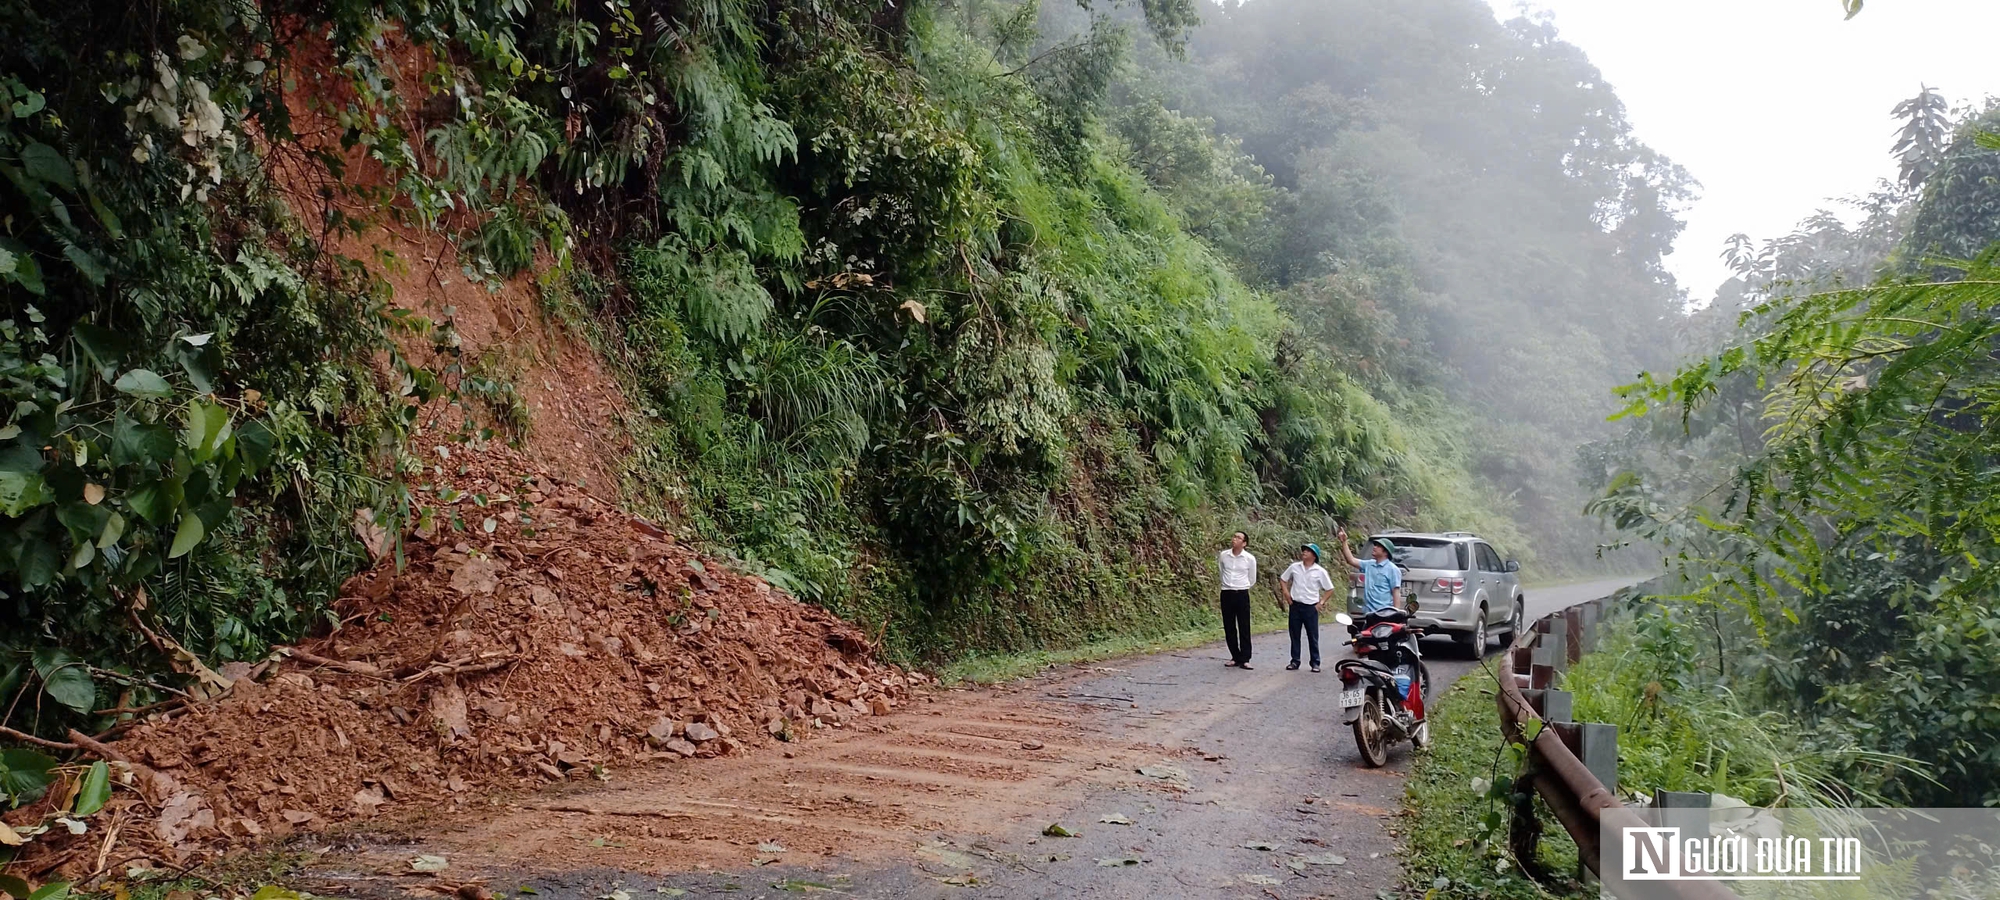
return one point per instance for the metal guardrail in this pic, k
(1573, 766)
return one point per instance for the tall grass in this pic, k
(1685, 725)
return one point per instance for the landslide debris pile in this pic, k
(536, 635)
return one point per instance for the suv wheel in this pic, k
(1475, 640)
(1518, 620)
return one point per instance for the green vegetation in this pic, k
(961, 318)
(1657, 676)
(1466, 225)
(192, 411)
(1457, 803)
(1845, 384)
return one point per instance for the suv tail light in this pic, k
(1448, 586)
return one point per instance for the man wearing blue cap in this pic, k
(1309, 585)
(1381, 579)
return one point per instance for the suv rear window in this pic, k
(1420, 553)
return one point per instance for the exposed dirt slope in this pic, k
(567, 640)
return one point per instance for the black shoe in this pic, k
(1231, 664)
(1244, 666)
(1292, 666)
(1315, 667)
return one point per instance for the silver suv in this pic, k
(1458, 580)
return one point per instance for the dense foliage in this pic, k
(189, 418)
(1851, 408)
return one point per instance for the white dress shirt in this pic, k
(1239, 570)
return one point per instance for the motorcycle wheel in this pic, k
(1370, 735)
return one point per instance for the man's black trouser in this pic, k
(1236, 623)
(1305, 616)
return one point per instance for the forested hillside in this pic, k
(977, 323)
(1467, 224)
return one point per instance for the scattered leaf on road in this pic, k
(429, 863)
(1164, 773)
(1259, 845)
(1056, 830)
(1113, 862)
(940, 852)
(1260, 879)
(1116, 819)
(770, 847)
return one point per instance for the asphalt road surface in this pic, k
(1180, 778)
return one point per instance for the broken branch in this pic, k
(27, 738)
(461, 667)
(358, 668)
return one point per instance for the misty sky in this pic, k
(1774, 105)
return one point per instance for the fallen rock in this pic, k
(368, 800)
(479, 575)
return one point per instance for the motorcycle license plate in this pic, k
(1351, 699)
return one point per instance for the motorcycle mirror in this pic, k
(1343, 618)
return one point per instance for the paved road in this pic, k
(1233, 763)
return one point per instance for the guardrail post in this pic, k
(1520, 659)
(1552, 705)
(1553, 650)
(1682, 800)
(1573, 634)
(1596, 745)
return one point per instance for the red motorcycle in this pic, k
(1384, 688)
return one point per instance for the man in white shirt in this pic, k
(1239, 573)
(1310, 585)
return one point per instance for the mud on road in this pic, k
(1178, 777)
